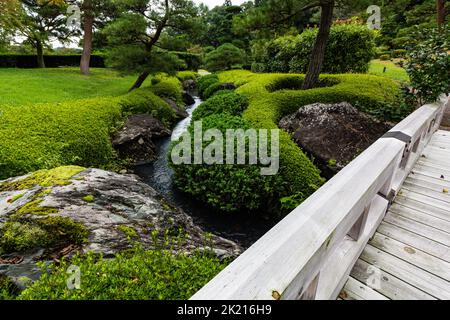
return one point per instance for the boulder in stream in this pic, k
(136, 140)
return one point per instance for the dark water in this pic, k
(243, 227)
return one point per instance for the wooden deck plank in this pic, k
(435, 203)
(412, 244)
(419, 278)
(415, 240)
(388, 285)
(419, 228)
(419, 206)
(441, 222)
(412, 255)
(443, 194)
(356, 290)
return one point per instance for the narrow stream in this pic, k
(243, 227)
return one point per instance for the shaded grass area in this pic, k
(392, 71)
(23, 86)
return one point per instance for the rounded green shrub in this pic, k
(206, 81)
(231, 103)
(349, 49)
(227, 187)
(385, 57)
(168, 87)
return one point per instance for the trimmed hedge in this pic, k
(51, 61)
(228, 187)
(371, 94)
(349, 49)
(168, 87)
(44, 136)
(230, 103)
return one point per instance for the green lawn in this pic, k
(393, 71)
(22, 86)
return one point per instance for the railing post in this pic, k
(310, 292)
(357, 229)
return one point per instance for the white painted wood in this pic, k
(415, 240)
(388, 285)
(432, 202)
(311, 241)
(432, 194)
(339, 264)
(432, 184)
(419, 206)
(437, 181)
(303, 240)
(422, 217)
(359, 291)
(412, 255)
(417, 227)
(423, 280)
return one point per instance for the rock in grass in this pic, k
(136, 140)
(334, 134)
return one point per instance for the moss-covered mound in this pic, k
(43, 136)
(273, 96)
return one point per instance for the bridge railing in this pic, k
(309, 254)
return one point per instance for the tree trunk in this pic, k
(40, 54)
(87, 40)
(440, 12)
(318, 52)
(140, 80)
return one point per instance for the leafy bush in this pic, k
(168, 87)
(231, 103)
(224, 58)
(385, 57)
(375, 95)
(349, 49)
(187, 75)
(428, 63)
(193, 61)
(135, 275)
(145, 101)
(224, 186)
(205, 82)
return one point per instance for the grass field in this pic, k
(393, 71)
(22, 86)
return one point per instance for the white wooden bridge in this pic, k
(379, 229)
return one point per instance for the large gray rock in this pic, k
(114, 201)
(333, 133)
(136, 140)
(189, 84)
(179, 111)
(188, 99)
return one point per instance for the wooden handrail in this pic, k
(309, 254)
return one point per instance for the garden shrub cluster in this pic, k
(168, 87)
(227, 187)
(271, 97)
(349, 49)
(209, 85)
(50, 135)
(227, 102)
(137, 274)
